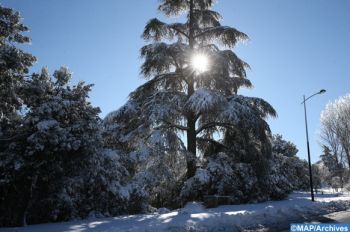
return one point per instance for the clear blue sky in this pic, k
(297, 47)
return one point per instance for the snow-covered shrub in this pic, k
(96, 186)
(197, 186)
(287, 174)
(222, 176)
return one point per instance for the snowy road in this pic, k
(276, 215)
(337, 217)
(340, 217)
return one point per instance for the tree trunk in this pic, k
(29, 201)
(191, 139)
(191, 148)
(191, 120)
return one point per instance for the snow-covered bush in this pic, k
(95, 187)
(287, 174)
(197, 186)
(222, 176)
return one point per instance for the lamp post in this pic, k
(307, 141)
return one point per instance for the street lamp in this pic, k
(307, 141)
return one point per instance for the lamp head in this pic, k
(322, 91)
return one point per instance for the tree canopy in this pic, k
(181, 99)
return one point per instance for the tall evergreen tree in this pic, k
(192, 83)
(14, 65)
(59, 126)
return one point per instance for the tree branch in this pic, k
(213, 124)
(197, 116)
(179, 31)
(216, 143)
(180, 127)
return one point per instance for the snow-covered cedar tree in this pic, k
(14, 65)
(183, 103)
(59, 170)
(180, 103)
(283, 147)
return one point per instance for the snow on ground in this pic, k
(194, 217)
(340, 217)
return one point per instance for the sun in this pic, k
(200, 63)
